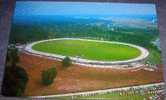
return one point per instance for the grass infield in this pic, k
(91, 50)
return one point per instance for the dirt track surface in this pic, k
(78, 78)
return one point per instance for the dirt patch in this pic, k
(78, 78)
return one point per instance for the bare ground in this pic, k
(79, 78)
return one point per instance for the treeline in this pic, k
(33, 32)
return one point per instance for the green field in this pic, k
(129, 95)
(91, 50)
(113, 96)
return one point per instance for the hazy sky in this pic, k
(82, 8)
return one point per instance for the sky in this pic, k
(26, 8)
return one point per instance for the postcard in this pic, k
(84, 50)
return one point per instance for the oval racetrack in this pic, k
(89, 51)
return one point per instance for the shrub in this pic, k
(66, 62)
(15, 80)
(15, 77)
(48, 76)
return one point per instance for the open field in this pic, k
(121, 95)
(116, 96)
(113, 96)
(91, 50)
(78, 78)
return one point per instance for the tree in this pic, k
(66, 62)
(12, 56)
(48, 76)
(15, 77)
